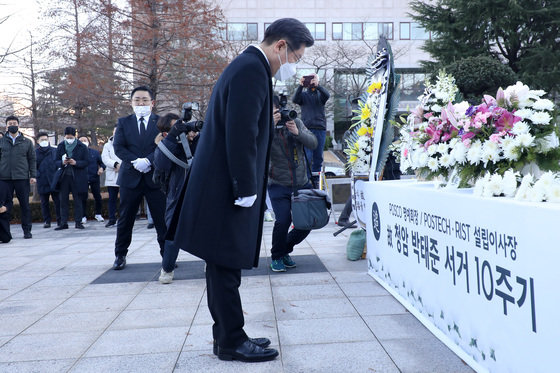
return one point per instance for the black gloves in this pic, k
(178, 128)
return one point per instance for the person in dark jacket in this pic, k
(172, 176)
(6, 202)
(46, 168)
(95, 169)
(18, 168)
(219, 215)
(288, 171)
(73, 157)
(312, 101)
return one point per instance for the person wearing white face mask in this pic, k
(220, 219)
(72, 157)
(46, 168)
(134, 145)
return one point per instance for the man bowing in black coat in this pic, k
(220, 212)
(134, 145)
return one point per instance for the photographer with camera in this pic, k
(288, 171)
(312, 101)
(171, 161)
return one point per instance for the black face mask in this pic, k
(13, 129)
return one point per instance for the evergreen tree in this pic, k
(520, 33)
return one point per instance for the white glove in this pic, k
(142, 164)
(246, 201)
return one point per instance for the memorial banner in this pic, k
(479, 272)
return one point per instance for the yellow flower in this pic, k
(362, 131)
(365, 113)
(375, 86)
(353, 158)
(370, 131)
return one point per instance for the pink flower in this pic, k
(467, 136)
(405, 153)
(467, 142)
(496, 138)
(490, 101)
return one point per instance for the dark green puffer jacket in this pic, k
(17, 160)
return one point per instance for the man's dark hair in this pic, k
(164, 122)
(12, 117)
(144, 88)
(41, 134)
(291, 30)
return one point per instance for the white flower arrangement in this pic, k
(511, 185)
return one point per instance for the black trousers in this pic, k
(95, 187)
(21, 188)
(130, 201)
(112, 205)
(5, 235)
(46, 209)
(224, 303)
(66, 186)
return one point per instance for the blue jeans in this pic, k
(283, 242)
(170, 254)
(315, 157)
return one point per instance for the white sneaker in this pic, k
(99, 218)
(84, 220)
(166, 277)
(268, 216)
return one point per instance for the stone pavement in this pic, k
(63, 310)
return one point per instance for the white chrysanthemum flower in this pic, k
(433, 164)
(461, 109)
(520, 127)
(479, 187)
(518, 93)
(541, 117)
(423, 159)
(543, 104)
(459, 153)
(547, 179)
(446, 160)
(436, 108)
(510, 150)
(554, 193)
(442, 148)
(506, 141)
(509, 183)
(490, 154)
(453, 142)
(524, 113)
(536, 193)
(405, 165)
(474, 155)
(525, 140)
(524, 187)
(547, 143)
(494, 186)
(432, 149)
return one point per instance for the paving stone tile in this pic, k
(314, 309)
(51, 292)
(165, 300)
(362, 289)
(351, 276)
(289, 279)
(302, 292)
(154, 318)
(94, 304)
(138, 341)
(337, 357)
(111, 289)
(205, 361)
(338, 262)
(28, 307)
(380, 305)
(145, 363)
(54, 346)
(15, 324)
(73, 322)
(424, 355)
(42, 366)
(397, 327)
(331, 330)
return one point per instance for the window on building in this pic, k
(337, 31)
(385, 29)
(404, 31)
(266, 25)
(242, 31)
(347, 31)
(370, 31)
(412, 83)
(318, 30)
(417, 32)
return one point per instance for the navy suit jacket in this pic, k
(129, 145)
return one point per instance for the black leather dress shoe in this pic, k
(61, 227)
(150, 226)
(120, 263)
(47, 225)
(247, 352)
(110, 223)
(263, 342)
(79, 226)
(27, 235)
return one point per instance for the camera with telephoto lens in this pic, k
(186, 116)
(286, 114)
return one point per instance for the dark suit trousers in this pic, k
(130, 201)
(96, 192)
(67, 185)
(5, 235)
(46, 209)
(22, 188)
(224, 303)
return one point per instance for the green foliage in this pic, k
(521, 33)
(476, 76)
(328, 142)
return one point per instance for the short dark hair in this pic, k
(12, 117)
(144, 88)
(164, 122)
(290, 29)
(41, 134)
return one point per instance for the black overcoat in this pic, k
(46, 168)
(79, 170)
(231, 161)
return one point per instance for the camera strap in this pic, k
(185, 143)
